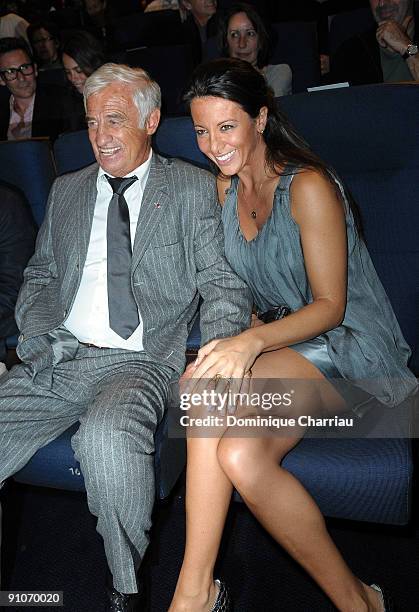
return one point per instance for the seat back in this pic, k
(145, 29)
(73, 151)
(171, 67)
(296, 45)
(29, 165)
(176, 138)
(373, 146)
(350, 23)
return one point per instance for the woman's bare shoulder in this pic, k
(313, 194)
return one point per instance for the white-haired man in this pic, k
(126, 248)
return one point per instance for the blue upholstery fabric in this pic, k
(29, 165)
(176, 138)
(72, 151)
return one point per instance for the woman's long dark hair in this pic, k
(239, 82)
(85, 50)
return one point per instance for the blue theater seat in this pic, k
(72, 151)
(29, 165)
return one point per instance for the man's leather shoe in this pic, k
(122, 602)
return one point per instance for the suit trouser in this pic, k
(119, 398)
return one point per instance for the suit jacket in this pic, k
(178, 255)
(53, 112)
(17, 243)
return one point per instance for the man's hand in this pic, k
(392, 35)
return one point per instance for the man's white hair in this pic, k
(145, 92)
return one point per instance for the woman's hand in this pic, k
(222, 369)
(227, 358)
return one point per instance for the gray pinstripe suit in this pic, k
(117, 395)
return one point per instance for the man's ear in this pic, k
(152, 122)
(3, 82)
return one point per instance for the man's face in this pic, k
(202, 10)
(113, 120)
(396, 10)
(23, 86)
(45, 46)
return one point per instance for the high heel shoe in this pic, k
(223, 602)
(387, 601)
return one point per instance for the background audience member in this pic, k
(12, 25)
(17, 243)
(243, 35)
(383, 54)
(200, 24)
(162, 5)
(82, 55)
(44, 38)
(32, 109)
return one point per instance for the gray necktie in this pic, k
(123, 311)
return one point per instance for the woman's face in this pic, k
(226, 133)
(74, 73)
(242, 39)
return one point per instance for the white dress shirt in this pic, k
(88, 319)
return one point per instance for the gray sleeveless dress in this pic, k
(368, 349)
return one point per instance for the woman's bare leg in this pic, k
(288, 512)
(208, 493)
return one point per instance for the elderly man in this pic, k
(388, 53)
(31, 109)
(125, 251)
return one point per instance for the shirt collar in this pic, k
(141, 173)
(27, 111)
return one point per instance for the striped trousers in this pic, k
(119, 398)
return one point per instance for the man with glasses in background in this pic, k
(30, 109)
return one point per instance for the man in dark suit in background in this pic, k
(387, 53)
(127, 247)
(17, 243)
(30, 109)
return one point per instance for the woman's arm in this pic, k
(319, 213)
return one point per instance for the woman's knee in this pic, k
(239, 461)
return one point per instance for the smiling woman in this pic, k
(290, 233)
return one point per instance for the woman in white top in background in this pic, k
(243, 35)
